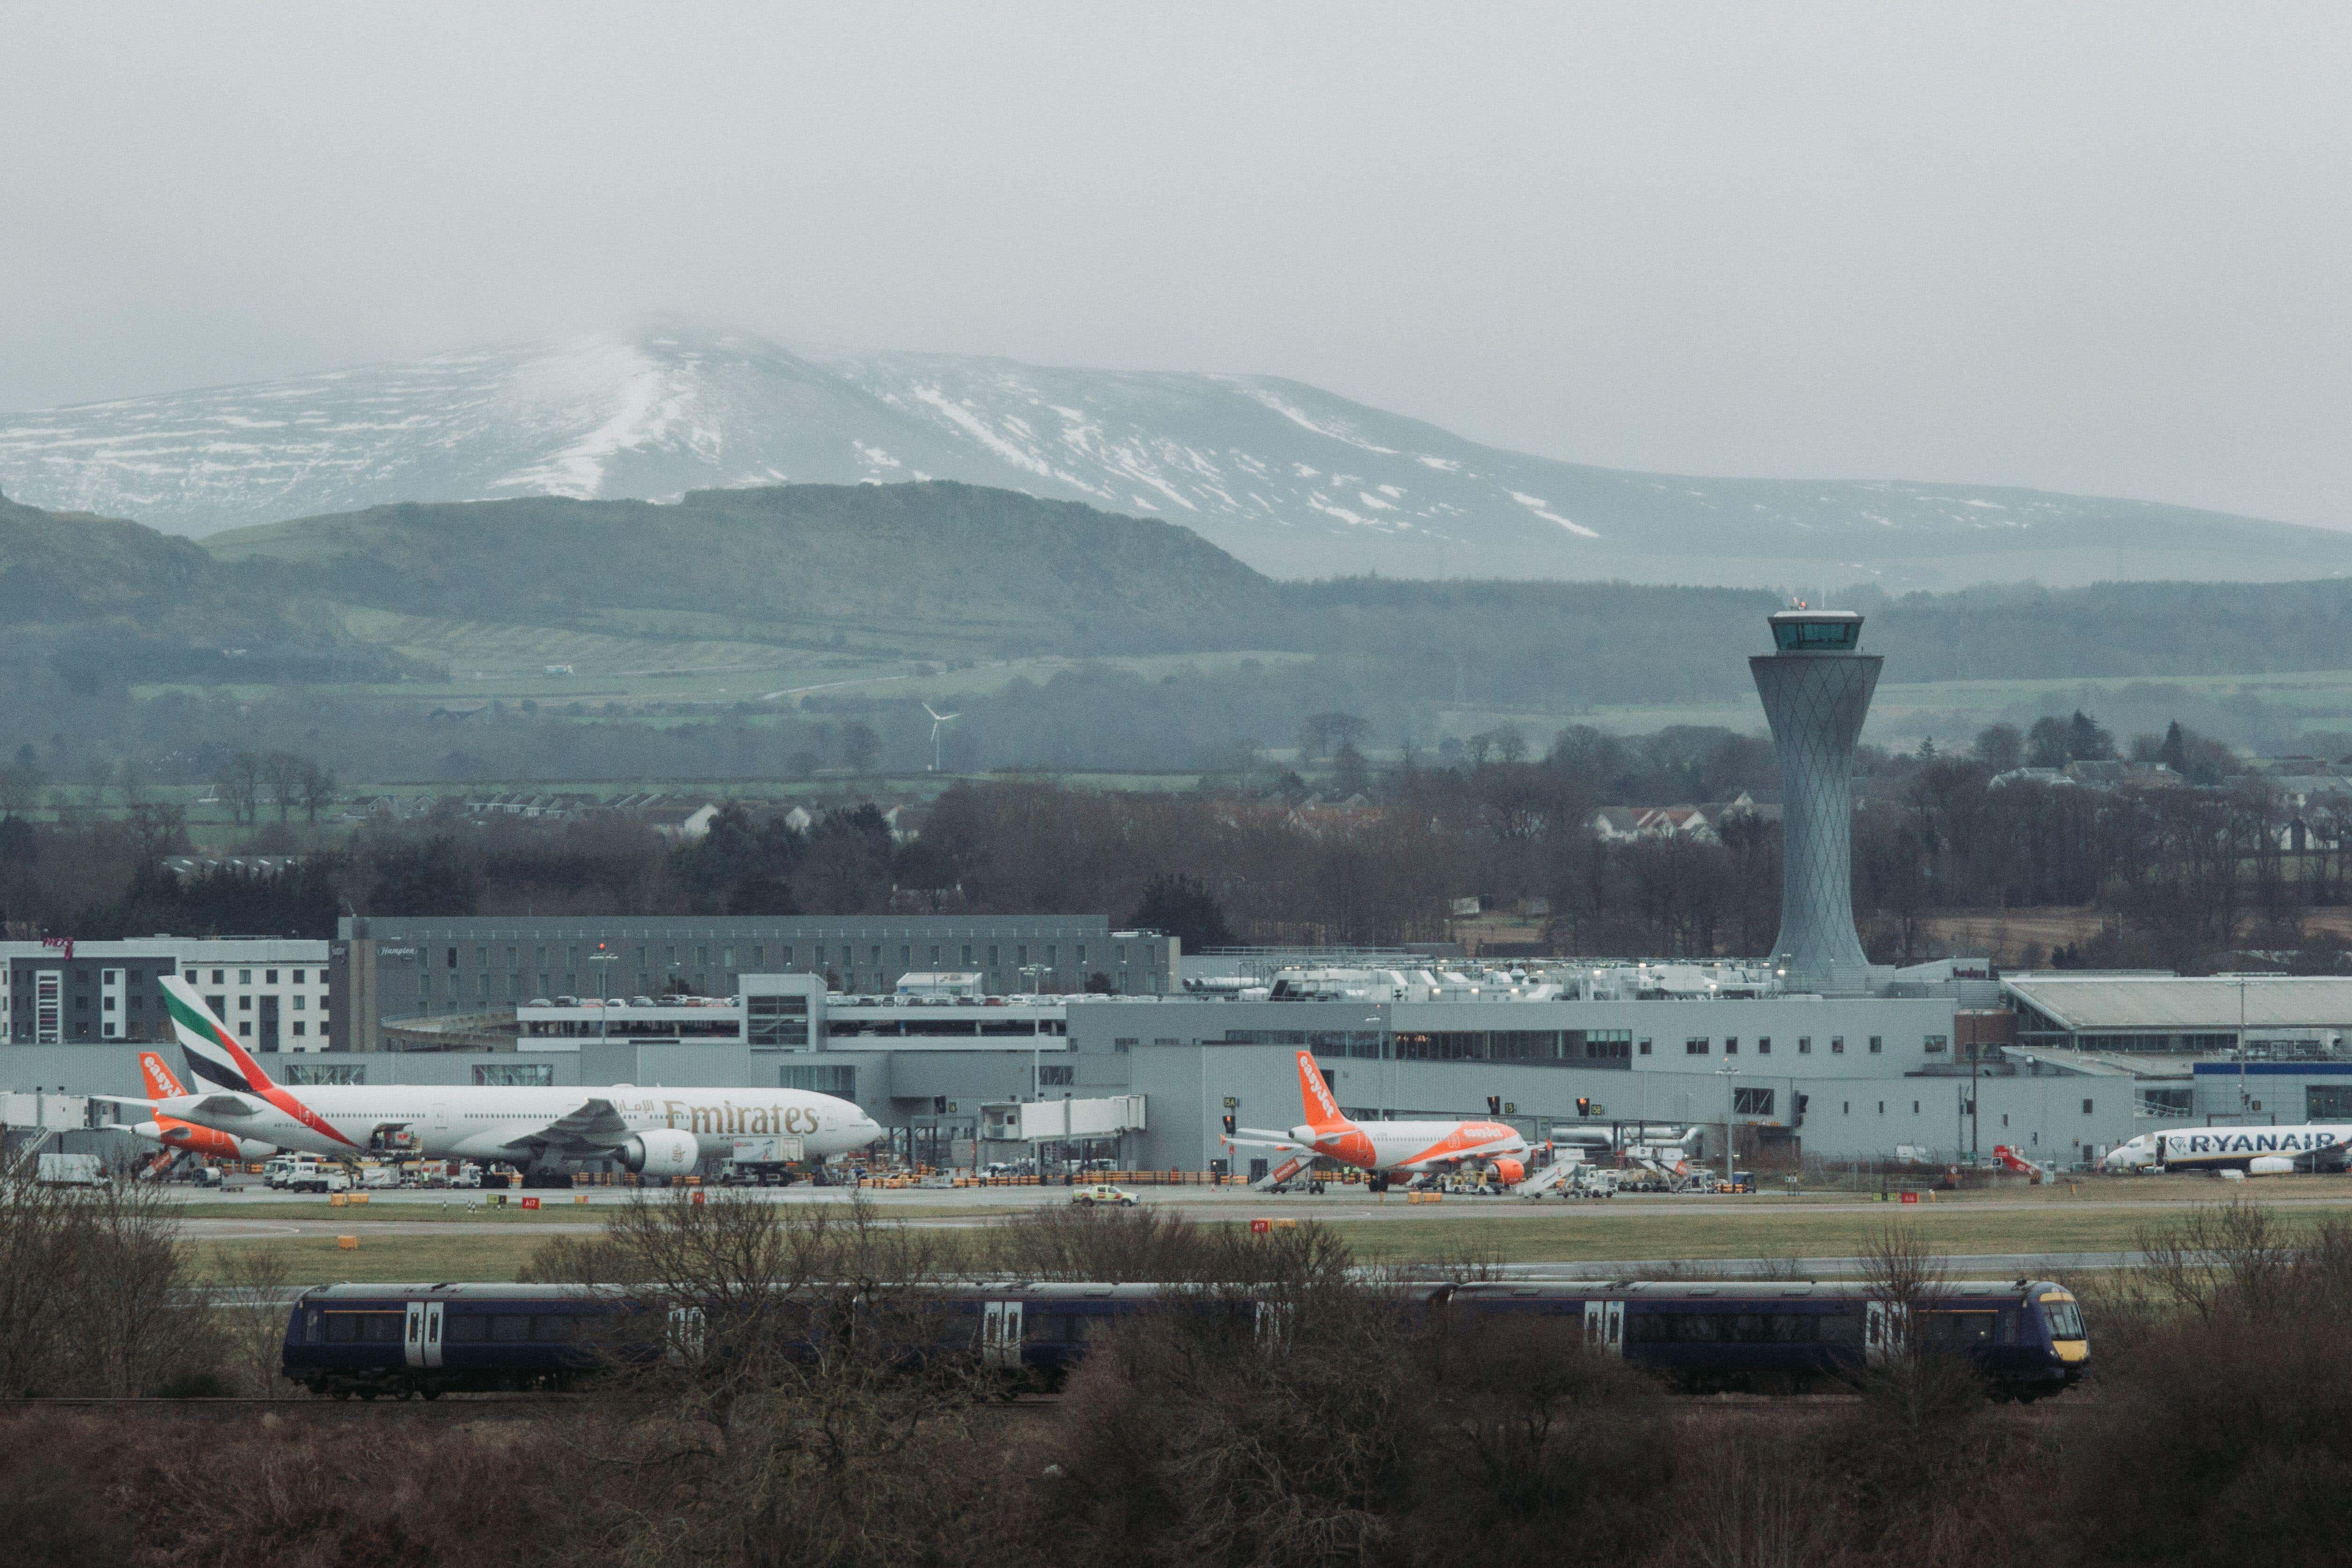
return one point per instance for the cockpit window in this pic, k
(2066, 1319)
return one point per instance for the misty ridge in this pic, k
(1163, 652)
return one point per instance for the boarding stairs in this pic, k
(1282, 1175)
(2008, 1158)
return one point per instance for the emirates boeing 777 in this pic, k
(658, 1131)
(1388, 1148)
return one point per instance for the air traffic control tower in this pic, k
(1816, 686)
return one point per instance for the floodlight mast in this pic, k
(1816, 686)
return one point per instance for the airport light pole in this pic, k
(602, 960)
(1728, 1072)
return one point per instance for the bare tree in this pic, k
(238, 785)
(317, 790)
(281, 777)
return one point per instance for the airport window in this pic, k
(1846, 1108)
(1804, 1045)
(1837, 1045)
(1694, 1047)
(640, 957)
(315, 1074)
(297, 977)
(1933, 1043)
(107, 1006)
(991, 958)
(301, 1027)
(1124, 1043)
(514, 1074)
(2086, 1107)
(1646, 1047)
(2004, 1118)
(819, 1079)
(218, 1004)
(1763, 1045)
(191, 977)
(1882, 1107)
(1876, 1044)
(1056, 1075)
(481, 961)
(1082, 955)
(759, 957)
(967, 955)
(449, 958)
(571, 958)
(726, 958)
(1020, 954)
(1751, 1102)
(2327, 1102)
(877, 955)
(219, 976)
(788, 957)
(245, 976)
(539, 957)
(1732, 1045)
(244, 1004)
(1915, 1107)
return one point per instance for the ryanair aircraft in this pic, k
(2243, 1151)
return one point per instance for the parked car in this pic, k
(1087, 1197)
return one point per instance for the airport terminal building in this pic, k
(937, 1026)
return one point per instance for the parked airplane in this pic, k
(2245, 1151)
(658, 1131)
(186, 1137)
(1388, 1148)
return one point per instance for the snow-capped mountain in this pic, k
(1289, 478)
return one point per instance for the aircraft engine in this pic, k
(1510, 1173)
(665, 1152)
(2271, 1164)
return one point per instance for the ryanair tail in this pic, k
(162, 1083)
(215, 1060)
(1315, 1096)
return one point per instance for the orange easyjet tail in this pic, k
(161, 1084)
(1315, 1096)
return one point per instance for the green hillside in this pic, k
(1000, 570)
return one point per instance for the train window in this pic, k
(313, 1330)
(1959, 1331)
(510, 1328)
(1052, 1328)
(466, 1328)
(2066, 1320)
(1838, 1328)
(342, 1328)
(382, 1328)
(554, 1328)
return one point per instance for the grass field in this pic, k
(2098, 1216)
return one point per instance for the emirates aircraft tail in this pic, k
(215, 1060)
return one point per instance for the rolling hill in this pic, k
(1290, 479)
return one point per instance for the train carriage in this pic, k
(2024, 1337)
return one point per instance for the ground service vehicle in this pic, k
(2024, 1337)
(1087, 1197)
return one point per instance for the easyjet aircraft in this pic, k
(175, 1133)
(660, 1132)
(1390, 1148)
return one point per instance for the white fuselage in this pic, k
(1414, 1146)
(2321, 1146)
(463, 1121)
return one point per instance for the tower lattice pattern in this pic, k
(1815, 703)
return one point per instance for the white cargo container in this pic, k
(70, 1170)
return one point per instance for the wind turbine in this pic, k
(937, 721)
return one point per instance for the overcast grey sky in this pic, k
(2087, 247)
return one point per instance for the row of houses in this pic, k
(682, 819)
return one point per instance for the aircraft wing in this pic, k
(1261, 1137)
(210, 1105)
(595, 1124)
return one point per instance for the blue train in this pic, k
(2025, 1337)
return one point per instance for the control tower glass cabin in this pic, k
(1816, 686)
